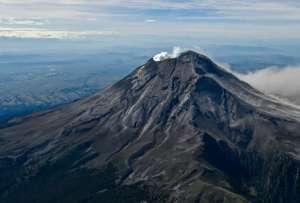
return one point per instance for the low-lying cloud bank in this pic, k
(283, 82)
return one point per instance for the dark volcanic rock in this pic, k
(178, 130)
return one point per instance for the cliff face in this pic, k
(178, 130)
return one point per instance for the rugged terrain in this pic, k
(177, 130)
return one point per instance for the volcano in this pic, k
(178, 130)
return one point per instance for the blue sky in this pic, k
(213, 19)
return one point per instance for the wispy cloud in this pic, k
(50, 34)
(150, 21)
(19, 21)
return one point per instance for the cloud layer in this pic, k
(200, 17)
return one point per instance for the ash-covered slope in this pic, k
(178, 130)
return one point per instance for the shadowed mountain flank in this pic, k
(176, 130)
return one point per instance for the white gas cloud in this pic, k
(165, 55)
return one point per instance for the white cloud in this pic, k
(49, 34)
(17, 21)
(283, 82)
(150, 21)
(165, 55)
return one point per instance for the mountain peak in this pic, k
(190, 62)
(191, 53)
(163, 56)
(181, 128)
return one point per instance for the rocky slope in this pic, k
(177, 130)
